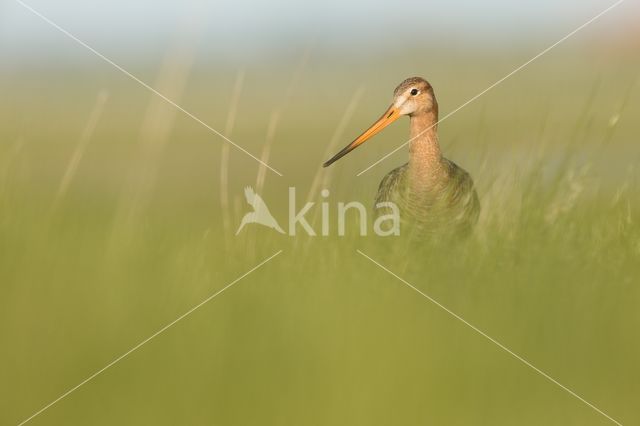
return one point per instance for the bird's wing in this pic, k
(259, 204)
(256, 201)
(249, 195)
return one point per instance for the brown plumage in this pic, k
(434, 194)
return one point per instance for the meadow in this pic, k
(118, 214)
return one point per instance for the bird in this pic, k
(260, 214)
(433, 194)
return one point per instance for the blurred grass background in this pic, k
(114, 221)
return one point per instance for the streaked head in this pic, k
(413, 96)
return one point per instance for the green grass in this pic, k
(319, 335)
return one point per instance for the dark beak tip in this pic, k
(330, 161)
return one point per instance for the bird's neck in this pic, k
(426, 167)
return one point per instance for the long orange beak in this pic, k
(391, 115)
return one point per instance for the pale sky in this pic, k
(261, 25)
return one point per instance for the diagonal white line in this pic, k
(139, 345)
(142, 83)
(599, 15)
(491, 339)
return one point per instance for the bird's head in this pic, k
(414, 96)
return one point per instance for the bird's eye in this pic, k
(414, 92)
